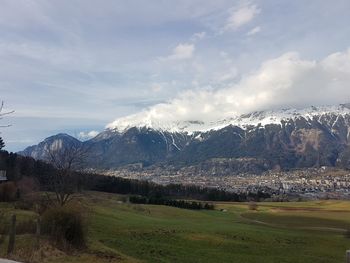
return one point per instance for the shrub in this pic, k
(24, 205)
(26, 227)
(8, 192)
(65, 226)
(253, 206)
(33, 201)
(26, 186)
(208, 206)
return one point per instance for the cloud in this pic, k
(181, 52)
(198, 36)
(285, 81)
(87, 135)
(241, 16)
(227, 75)
(254, 31)
(94, 63)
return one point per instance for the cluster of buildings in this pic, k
(311, 183)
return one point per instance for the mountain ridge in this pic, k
(289, 138)
(240, 120)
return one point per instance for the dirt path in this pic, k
(7, 261)
(332, 229)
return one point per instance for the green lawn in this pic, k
(277, 232)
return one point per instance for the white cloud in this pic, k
(181, 52)
(241, 16)
(87, 59)
(228, 75)
(198, 36)
(286, 81)
(87, 135)
(254, 31)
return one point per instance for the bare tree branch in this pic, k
(66, 159)
(4, 113)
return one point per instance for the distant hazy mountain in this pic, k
(58, 141)
(288, 138)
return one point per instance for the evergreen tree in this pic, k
(2, 144)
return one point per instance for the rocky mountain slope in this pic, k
(283, 139)
(58, 141)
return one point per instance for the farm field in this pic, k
(277, 232)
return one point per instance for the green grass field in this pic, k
(277, 232)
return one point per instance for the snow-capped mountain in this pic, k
(287, 138)
(145, 120)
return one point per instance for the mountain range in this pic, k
(254, 142)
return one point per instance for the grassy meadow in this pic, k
(277, 232)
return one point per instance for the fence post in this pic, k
(38, 232)
(12, 235)
(348, 256)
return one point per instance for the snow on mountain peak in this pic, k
(147, 120)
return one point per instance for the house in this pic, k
(3, 177)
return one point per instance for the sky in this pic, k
(75, 66)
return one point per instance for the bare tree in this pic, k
(66, 160)
(2, 114)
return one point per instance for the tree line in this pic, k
(194, 205)
(19, 167)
